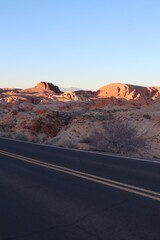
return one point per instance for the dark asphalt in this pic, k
(37, 203)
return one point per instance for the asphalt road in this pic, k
(51, 193)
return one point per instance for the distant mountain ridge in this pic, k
(72, 89)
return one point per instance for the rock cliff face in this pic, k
(49, 86)
(129, 92)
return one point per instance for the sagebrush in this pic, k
(117, 137)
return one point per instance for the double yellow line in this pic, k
(105, 181)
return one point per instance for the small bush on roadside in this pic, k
(68, 143)
(85, 140)
(33, 139)
(6, 135)
(20, 136)
(147, 116)
(116, 137)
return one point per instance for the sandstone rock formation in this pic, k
(49, 86)
(46, 123)
(129, 92)
(10, 99)
(70, 95)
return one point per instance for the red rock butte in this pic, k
(128, 92)
(49, 87)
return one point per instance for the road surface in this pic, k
(49, 193)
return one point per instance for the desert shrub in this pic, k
(147, 116)
(6, 134)
(54, 140)
(66, 118)
(20, 136)
(116, 137)
(33, 138)
(86, 139)
(68, 143)
(103, 117)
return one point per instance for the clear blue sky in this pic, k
(83, 43)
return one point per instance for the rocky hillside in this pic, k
(44, 114)
(129, 92)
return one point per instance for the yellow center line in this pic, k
(105, 181)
